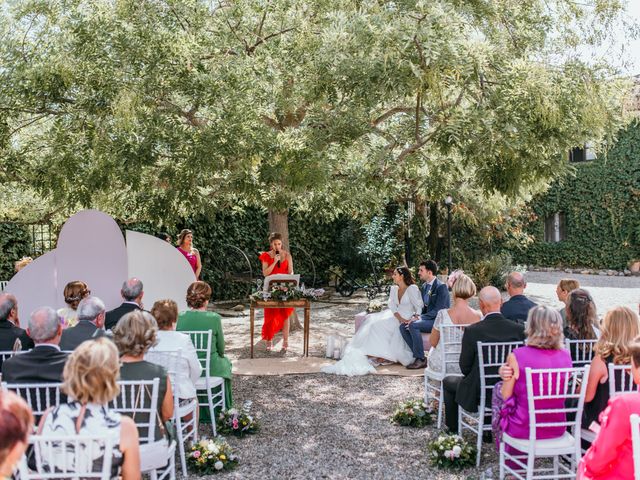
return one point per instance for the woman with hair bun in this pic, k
(379, 341)
(200, 319)
(275, 261)
(73, 293)
(186, 248)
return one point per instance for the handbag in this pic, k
(155, 455)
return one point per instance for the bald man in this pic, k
(518, 306)
(465, 391)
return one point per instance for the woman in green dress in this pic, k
(199, 319)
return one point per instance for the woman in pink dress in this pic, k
(185, 247)
(544, 349)
(610, 456)
(276, 260)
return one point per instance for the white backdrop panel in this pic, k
(91, 248)
(163, 270)
(35, 286)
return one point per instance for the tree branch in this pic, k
(391, 112)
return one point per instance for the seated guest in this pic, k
(90, 377)
(74, 292)
(465, 391)
(461, 313)
(134, 334)
(565, 286)
(16, 422)
(619, 327)
(45, 363)
(544, 349)
(132, 293)
(199, 319)
(10, 332)
(90, 325)
(610, 456)
(518, 306)
(166, 314)
(582, 319)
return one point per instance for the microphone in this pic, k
(278, 253)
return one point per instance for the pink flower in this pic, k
(196, 454)
(235, 423)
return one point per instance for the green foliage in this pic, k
(15, 243)
(492, 270)
(380, 240)
(601, 201)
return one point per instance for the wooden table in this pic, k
(302, 303)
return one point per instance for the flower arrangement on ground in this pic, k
(375, 306)
(451, 451)
(412, 413)
(211, 456)
(237, 422)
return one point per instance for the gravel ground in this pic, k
(325, 426)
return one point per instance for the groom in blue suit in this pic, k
(435, 295)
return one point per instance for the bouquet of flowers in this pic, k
(375, 306)
(412, 413)
(451, 451)
(211, 456)
(282, 293)
(237, 422)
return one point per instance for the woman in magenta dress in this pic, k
(544, 349)
(276, 261)
(185, 247)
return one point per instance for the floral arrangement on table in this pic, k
(237, 422)
(412, 413)
(211, 456)
(283, 293)
(375, 306)
(451, 451)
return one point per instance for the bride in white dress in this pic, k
(379, 336)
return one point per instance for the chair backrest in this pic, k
(451, 339)
(635, 439)
(621, 380)
(3, 285)
(491, 355)
(202, 341)
(39, 396)
(555, 398)
(581, 351)
(138, 399)
(174, 363)
(69, 457)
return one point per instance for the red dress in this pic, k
(274, 317)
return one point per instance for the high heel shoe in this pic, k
(284, 348)
(269, 346)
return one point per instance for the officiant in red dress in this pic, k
(274, 261)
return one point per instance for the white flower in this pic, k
(456, 451)
(447, 453)
(218, 465)
(232, 411)
(440, 438)
(213, 448)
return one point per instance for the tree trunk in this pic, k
(279, 222)
(432, 240)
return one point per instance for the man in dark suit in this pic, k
(465, 391)
(45, 363)
(9, 329)
(132, 293)
(518, 306)
(435, 295)
(91, 314)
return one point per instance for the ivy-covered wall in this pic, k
(15, 243)
(602, 210)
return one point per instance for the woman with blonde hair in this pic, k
(16, 422)
(134, 334)
(90, 382)
(619, 327)
(461, 313)
(74, 292)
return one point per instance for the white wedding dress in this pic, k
(380, 336)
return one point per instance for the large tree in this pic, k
(160, 109)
